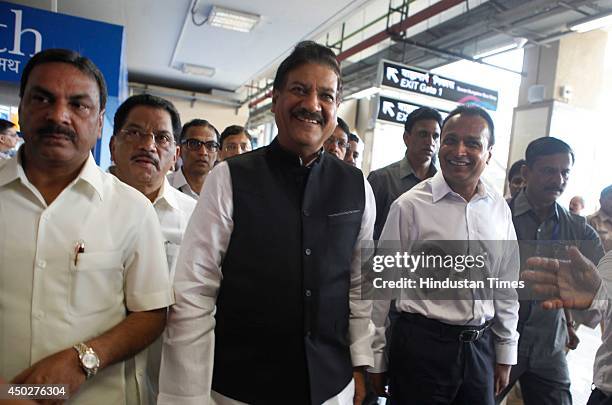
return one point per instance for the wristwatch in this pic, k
(88, 358)
(571, 324)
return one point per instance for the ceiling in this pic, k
(161, 36)
(491, 25)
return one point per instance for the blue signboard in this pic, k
(25, 31)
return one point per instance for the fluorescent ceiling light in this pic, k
(232, 19)
(495, 51)
(369, 92)
(198, 70)
(592, 23)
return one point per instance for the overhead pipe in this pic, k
(395, 29)
(399, 27)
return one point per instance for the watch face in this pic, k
(90, 360)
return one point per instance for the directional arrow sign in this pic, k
(405, 78)
(392, 74)
(393, 110)
(387, 108)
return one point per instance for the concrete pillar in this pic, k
(564, 95)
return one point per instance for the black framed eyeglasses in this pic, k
(195, 145)
(162, 139)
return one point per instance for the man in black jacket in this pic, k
(273, 245)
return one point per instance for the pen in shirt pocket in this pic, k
(78, 249)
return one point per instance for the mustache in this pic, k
(148, 156)
(53, 129)
(305, 114)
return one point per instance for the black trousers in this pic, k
(599, 398)
(428, 365)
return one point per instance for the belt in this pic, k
(463, 333)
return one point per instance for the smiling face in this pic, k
(422, 141)
(305, 108)
(60, 116)
(464, 151)
(547, 178)
(139, 162)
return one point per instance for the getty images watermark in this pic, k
(451, 270)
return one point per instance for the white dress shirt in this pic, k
(601, 309)
(188, 351)
(177, 180)
(173, 210)
(51, 297)
(432, 211)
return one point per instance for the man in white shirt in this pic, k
(199, 145)
(290, 326)
(577, 284)
(452, 350)
(143, 148)
(83, 281)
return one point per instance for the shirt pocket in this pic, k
(96, 282)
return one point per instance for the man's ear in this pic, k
(525, 172)
(111, 147)
(406, 137)
(274, 97)
(101, 123)
(490, 154)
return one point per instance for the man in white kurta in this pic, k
(141, 161)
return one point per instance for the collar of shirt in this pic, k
(167, 196)
(177, 180)
(276, 150)
(405, 168)
(440, 189)
(90, 173)
(522, 206)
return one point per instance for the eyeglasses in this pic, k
(236, 147)
(195, 145)
(162, 139)
(340, 142)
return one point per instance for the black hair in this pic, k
(5, 124)
(197, 122)
(515, 169)
(308, 52)
(605, 192)
(70, 57)
(354, 138)
(150, 101)
(344, 127)
(234, 130)
(474, 111)
(423, 113)
(545, 146)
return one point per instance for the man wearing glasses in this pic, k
(235, 140)
(199, 144)
(338, 142)
(143, 148)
